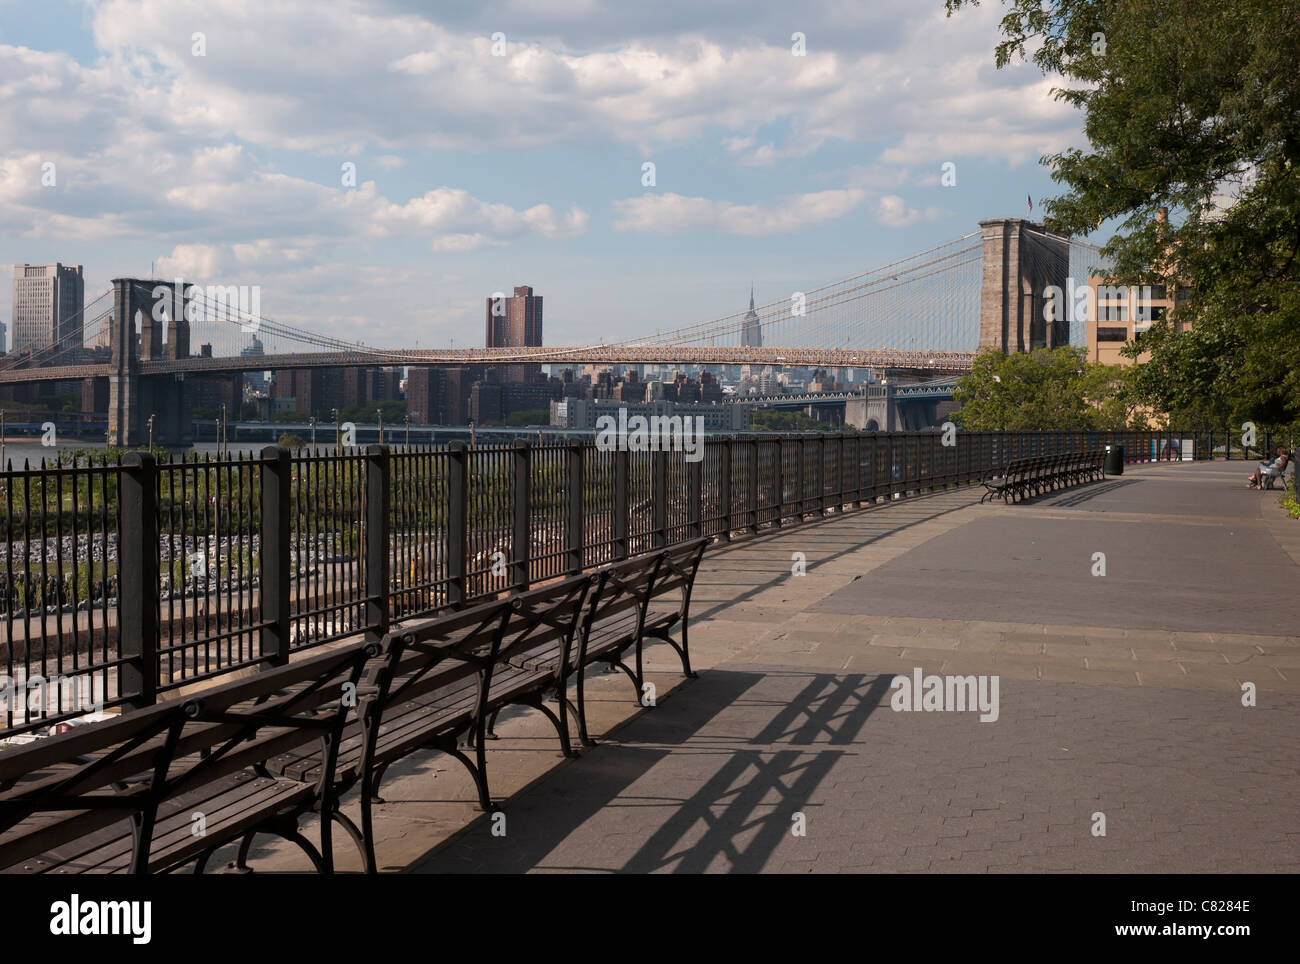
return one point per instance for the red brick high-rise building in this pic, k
(516, 322)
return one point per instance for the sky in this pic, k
(503, 142)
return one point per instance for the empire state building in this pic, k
(751, 329)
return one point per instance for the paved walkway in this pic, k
(1119, 695)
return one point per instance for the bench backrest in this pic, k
(436, 652)
(678, 569)
(72, 784)
(622, 587)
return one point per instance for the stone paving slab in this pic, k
(1229, 577)
(713, 778)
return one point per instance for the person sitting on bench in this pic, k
(1274, 468)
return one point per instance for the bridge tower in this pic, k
(1021, 261)
(148, 306)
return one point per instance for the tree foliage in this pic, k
(1193, 105)
(1044, 390)
(778, 420)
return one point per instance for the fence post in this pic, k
(521, 537)
(137, 584)
(724, 487)
(801, 450)
(837, 492)
(378, 559)
(277, 471)
(857, 468)
(856, 457)
(659, 498)
(778, 480)
(819, 475)
(622, 479)
(457, 501)
(573, 540)
(695, 495)
(751, 484)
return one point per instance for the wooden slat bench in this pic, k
(1034, 475)
(123, 795)
(255, 755)
(438, 682)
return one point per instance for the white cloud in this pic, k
(673, 213)
(892, 211)
(401, 81)
(448, 211)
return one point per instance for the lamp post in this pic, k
(151, 433)
(380, 413)
(337, 430)
(312, 421)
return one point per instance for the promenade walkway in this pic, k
(1119, 695)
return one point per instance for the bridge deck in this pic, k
(928, 362)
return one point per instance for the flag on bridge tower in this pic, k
(1031, 202)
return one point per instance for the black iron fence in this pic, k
(128, 579)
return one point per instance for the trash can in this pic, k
(1114, 459)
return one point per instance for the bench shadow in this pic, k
(1080, 494)
(762, 743)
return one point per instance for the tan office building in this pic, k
(48, 303)
(1120, 313)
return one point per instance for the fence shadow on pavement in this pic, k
(708, 780)
(1084, 494)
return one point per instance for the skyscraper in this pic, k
(751, 329)
(48, 300)
(254, 380)
(516, 322)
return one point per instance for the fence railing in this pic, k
(126, 579)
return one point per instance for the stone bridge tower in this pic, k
(1021, 261)
(149, 306)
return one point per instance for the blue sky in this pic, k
(477, 172)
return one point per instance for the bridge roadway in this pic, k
(912, 362)
(1119, 695)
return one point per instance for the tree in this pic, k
(290, 441)
(1192, 105)
(1053, 390)
(776, 420)
(527, 417)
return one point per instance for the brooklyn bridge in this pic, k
(917, 318)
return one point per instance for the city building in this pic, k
(581, 414)
(751, 329)
(47, 308)
(4, 338)
(1121, 313)
(308, 391)
(1124, 313)
(515, 322)
(439, 395)
(255, 381)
